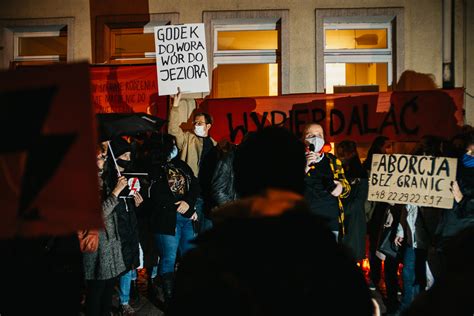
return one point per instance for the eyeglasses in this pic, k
(199, 123)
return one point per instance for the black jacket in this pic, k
(462, 214)
(162, 201)
(319, 183)
(223, 183)
(128, 231)
(424, 217)
(354, 213)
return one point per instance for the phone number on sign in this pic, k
(408, 197)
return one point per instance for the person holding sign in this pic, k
(119, 160)
(105, 264)
(198, 150)
(325, 182)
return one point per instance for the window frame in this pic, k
(145, 56)
(107, 23)
(253, 56)
(393, 15)
(249, 56)
(8, 28)
(280, 18)
(360, 56)
(16, 46)
(359, 26)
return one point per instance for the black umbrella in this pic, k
(126, 124)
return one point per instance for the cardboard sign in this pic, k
(181, 58)
(48, 177)
(416, 180)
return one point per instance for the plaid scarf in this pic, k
(338, 171)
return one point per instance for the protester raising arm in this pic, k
(174, 122)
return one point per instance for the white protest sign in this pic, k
(417, 180)
(181, 58)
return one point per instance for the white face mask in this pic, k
(199, 131)
(173, 153)
(317, 142)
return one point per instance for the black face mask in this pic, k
(125, 164)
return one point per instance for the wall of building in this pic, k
(469, 62)
(77, 9)
(422, 29)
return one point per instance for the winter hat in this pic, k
(120, 146)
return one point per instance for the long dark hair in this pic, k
(429, 145)
(109, 175)
(352, 167)
(375, 148)
(161, 146)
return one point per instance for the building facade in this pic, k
(266, 47)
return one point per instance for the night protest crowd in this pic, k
(273, 226)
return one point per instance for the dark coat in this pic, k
(396, 211)
(207, 169)
(162, 201)
(223, 183)
(425, 225)
(354, 211)
(318, 186)
(107, 262)
(354, 207)
(461, 215)
(128, 231)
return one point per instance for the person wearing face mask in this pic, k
(127, 225)
(325, 182)
(193, 146)
(199, 151)
(172, 195)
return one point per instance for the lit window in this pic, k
(247, 40)
(128, 39)
(42, 47)
(358, 57)
(132, 45)
(246, 60)
(356, 39)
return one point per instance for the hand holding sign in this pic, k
(177, 98)
(121, 184)
(458, 196)
(181, 58)
(138, 199)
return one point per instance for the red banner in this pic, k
(48, 171)
(125, 89)
(402, 116)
